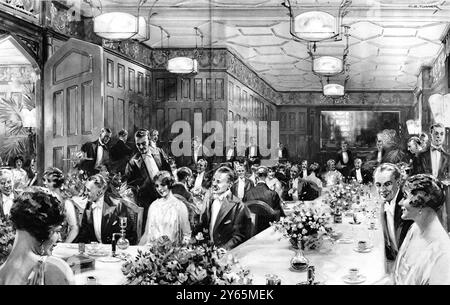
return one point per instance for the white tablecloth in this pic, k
(268, 253)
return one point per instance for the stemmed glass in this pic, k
(123, 243)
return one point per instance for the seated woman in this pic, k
(332, 176)
(37, 216)
(424, 257)
(53, 179)
(167, 216)
(273, 183)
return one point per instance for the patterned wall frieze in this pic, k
(130, 49)
(207, 58)
(401, 98)
(244, 74)
(63, 20)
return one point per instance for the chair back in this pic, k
(137, 216)
(262, 214)
(193, 210)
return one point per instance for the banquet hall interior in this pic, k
(306, 78)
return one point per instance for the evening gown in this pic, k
(427, 260)
(167, 217)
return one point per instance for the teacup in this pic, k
(353, 273)
(362, 245)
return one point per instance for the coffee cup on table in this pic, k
(353, 273)
(362, 245)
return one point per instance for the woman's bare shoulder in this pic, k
(58, 272)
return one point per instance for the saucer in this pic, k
(357, 280)
(366, 250)
(355, 223)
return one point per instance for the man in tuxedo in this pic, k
(242, 184)
(140, 170)
(6, 192)
(359, 174)
(299, 188)
(344, 159)
(201, 179)
(180, 189)
(96, 153)
(304, 170)
(283, 154)
(262, 192)
(252, 153)
(158, 153)
(435, 160)
(414, 149)
(120, 153)
(230, 151)
(387, 183)
(226, 219)
(101, 217)
(198, 152)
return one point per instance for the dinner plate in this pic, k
(357, 280)
(99, 253)
(345, 241)
(109, 259)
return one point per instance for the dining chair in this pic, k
(262, 214)
(137, 216)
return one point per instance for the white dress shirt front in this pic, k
(151, 165)
(8, 201)
(215, 208)
(295, 185)
(358, 175)
(97, 211)
(305, 173)
(241, 187)
(252, 152)
(345, 157)
(199, 180)
(99, 154)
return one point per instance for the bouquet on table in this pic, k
(198, 263)
(306, 227)
(7, 235)
(343, 196)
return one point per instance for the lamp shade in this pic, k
(414, 127)
(182, 65)
(440, 108)
(328, 65)
(143, 30)
(333, 90)
(28, 118)
(116, 26)
(315, 26)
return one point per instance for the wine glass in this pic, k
(123, 243)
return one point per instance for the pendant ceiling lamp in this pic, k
(120, 26)
(333, 90)
(328, 65)
(186, 65)
(316, 26)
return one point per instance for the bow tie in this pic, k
(433, 148)
(97, 205)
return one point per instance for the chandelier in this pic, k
(119, 26)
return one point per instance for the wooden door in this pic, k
(73, 104)
(293, 131)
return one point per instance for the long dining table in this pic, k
(268, 253)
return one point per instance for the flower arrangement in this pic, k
(305, 227)
(343, 196)
(7, 235)
(197, 263)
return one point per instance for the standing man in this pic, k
(226, 219)
(231, 151)
(140, 170)
(242, 184)
(283, 154)
(435, 160)
(158, 153)
(252, 153)
(120, 153)
(96, 153)
(344, 160)
(6, 192)
(387, 183)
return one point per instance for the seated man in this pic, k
(226, 218)
(180, 189)
(6, 192)
(359, 174)
(101, 215)
(242, 184)
(262, 192)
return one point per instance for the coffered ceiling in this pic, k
(389, 40)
